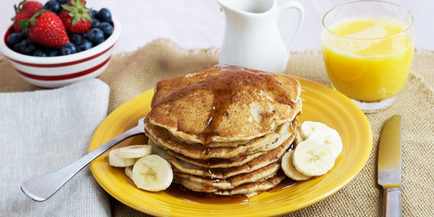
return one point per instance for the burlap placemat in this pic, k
(130, 74)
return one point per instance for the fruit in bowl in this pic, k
(60, 42)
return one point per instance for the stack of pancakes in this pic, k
(225, 129)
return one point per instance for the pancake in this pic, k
(225, 129)
(222, 173)
(198, 151)
(224, 104)
(222, 163)
(232, 182)
(254, 188)
(216, 162)
(248, 189)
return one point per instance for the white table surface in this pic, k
(200, 23)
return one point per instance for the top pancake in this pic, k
(224, 104)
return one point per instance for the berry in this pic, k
(104, 15)
(68, 48)
(46, 28)
(76, 39)
(24, 11)
(93, 13)
(63, 1)
(84, 45)
(59, 27)
(25, 34)
(52, 5)
(95, 23)
(26, 46)
(14, 39)
(106, 28)
(76, 17)
(40, 53)
(95, 35)
(51, 52)
(16, 48)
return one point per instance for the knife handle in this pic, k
(392, 202)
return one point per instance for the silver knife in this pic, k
(389, 165)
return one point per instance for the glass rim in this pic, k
(374, 1)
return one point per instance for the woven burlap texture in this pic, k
(130, 74)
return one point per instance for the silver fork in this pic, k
(42, 188)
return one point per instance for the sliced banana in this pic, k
(298, 139)
(313, 158)
(134, 151)
(289, 168)
(152, 173)
(329, 137)
(129, 172)
(308, 127)
(116, 161)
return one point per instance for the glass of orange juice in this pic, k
(368, 49)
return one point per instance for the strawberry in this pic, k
(46, 28)
(25, 10)
(76, 17)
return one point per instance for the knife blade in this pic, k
(389, 165)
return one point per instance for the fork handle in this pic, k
(43, 187)
(392, 202)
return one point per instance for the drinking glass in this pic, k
(368, 49)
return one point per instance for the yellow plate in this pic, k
(321, 103)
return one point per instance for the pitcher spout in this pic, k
(247, 6)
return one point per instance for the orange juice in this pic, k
(368, 58)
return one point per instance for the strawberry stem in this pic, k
(78, 11)
(32, 21)
(18, 8)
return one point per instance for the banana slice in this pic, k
(134, 151)
(308, 127)
(313, 158)
(129, 172)
(298, 139)
(116, 161)
(152, 173)
(289, 169)
(329, 137)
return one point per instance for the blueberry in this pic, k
(85, 45)
(14, 39)
(63, 1)
(40, 53)
(76, 39)
(95, 35)
(106, 28)
(93, 13)
(104, 15)
(95, 22)
(52, 5)
(67, 49)
(25, 33)
(52, 52)
(16, 48)
(27, 46)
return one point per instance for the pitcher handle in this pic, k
(296, 5)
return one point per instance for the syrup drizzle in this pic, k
(224, 84)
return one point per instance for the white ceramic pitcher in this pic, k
(252, 37)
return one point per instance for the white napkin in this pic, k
(42, 131)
